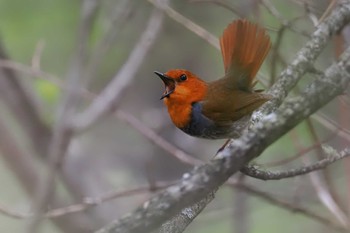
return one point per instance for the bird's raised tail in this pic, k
(244, 47)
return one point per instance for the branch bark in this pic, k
(180, 222)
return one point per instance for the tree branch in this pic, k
(254, 171)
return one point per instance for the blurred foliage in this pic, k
(47, 91)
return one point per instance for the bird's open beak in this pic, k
(168, 82)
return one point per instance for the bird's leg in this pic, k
(222, 147)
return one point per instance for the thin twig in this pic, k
(273, 11)
(158, 140)
(329, 9)
(292, 207)
(119, 16)
(221, 3)
(254, 171)
(276, 54)
(14, 213)
(332, 125)
(322, 182)
(40, 74)
(36, 59)
(87, 202)
(301, 151)
(190, 25)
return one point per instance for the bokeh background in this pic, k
(114, 156)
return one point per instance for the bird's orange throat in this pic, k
(179, 113)
(180, 102)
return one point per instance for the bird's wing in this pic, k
(228, 107)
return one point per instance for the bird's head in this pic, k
(182, 86)
(182, 89)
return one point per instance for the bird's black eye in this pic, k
(183, 77)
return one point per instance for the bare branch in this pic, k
(273, 11)
(276, 54)
(88, 202)
(332, 125)
(330, 7)
(119, 16)
(221, 3)
(190, 25)
(301, 151)
(318, 181)
(254, 171)
(322, 183)
(109, 99)
(36, 59)
(158, 140)
(292, 207)
(12, 213)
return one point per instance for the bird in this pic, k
(220, 109)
